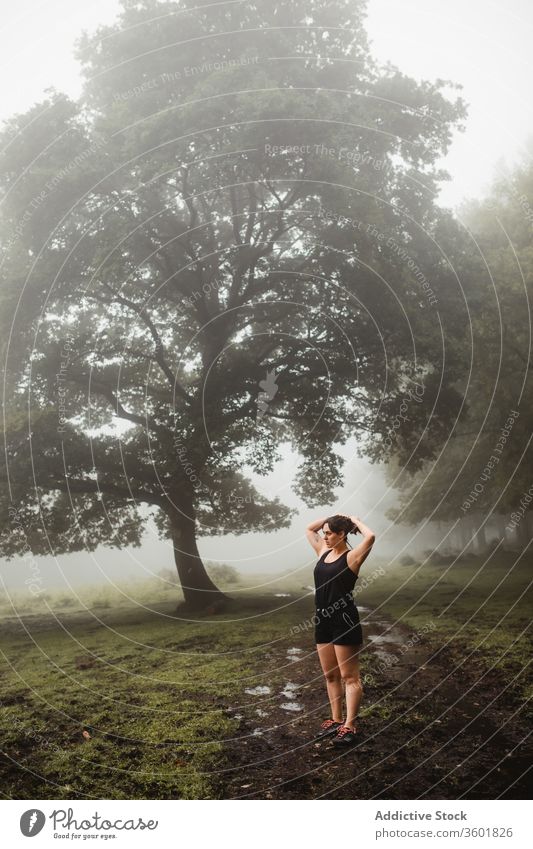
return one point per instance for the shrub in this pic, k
(66, 601)
(101, 602)
(222, 573)
(436, 558)
(168, 576)
(407, 560)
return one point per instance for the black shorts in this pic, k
(338, 625)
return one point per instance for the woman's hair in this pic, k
(341, 525)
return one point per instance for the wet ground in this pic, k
(434, 725)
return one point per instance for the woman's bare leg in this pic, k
(332, 674)
(348, 663)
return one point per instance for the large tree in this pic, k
(483, 471)
(225, 244)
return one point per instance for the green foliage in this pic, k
(490, 447)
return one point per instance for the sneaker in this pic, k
(328, 727)
(346, 736)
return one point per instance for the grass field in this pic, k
(153, 692)
(483, 606)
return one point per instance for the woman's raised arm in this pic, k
(314, 538)
(358, 554)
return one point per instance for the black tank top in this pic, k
(333, 580)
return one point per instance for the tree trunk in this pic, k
(456, 541)
(199, 590)
(528, 519)
(480, 537)
(522, 533)
(500, 522)
(467, 529)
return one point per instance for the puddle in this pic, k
(258, 691)
(290, 689)
(293, 654)
(386, 638)
(282, 595)
(293, 706)
(386, 657)
(257, 732)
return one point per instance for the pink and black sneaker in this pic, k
(328, 727)
(346, 736)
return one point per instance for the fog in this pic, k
(283, 551)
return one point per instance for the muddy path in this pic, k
(434, 725)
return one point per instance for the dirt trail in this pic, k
(428, 729)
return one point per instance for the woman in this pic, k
(338, 633)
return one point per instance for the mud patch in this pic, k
(425, 733)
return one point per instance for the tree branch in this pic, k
(235, 215)
(251, 215)
(104, 389)
(71, 485)
(159, 356)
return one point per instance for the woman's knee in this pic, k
(351, 679)
(333, 676)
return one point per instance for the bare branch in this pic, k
(158, 353)
(251, 215)
(106, 391)
(207, 213)
(235, 215)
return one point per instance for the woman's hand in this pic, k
(360, 525)
(354, 520)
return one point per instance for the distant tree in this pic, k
(485, 467)
(221, 247)
(407, 560)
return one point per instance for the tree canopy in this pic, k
(231, 244)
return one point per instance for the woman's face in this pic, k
(331, 538)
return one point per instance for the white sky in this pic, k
(483, 45)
